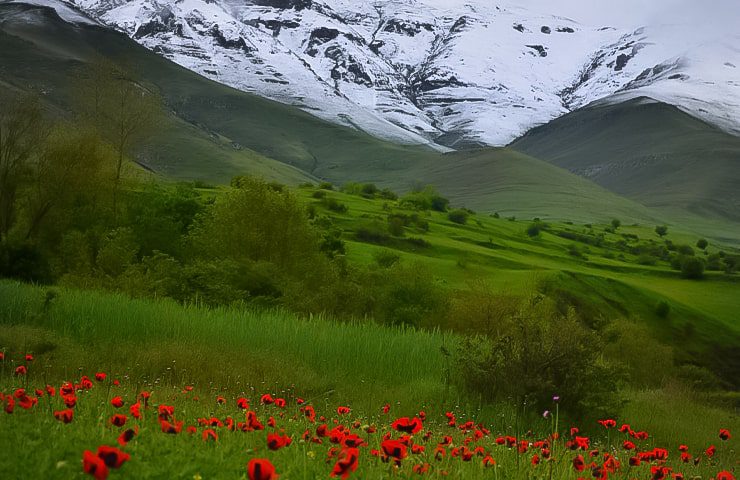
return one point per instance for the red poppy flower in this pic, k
(2, 356)
(535, 460)
(118, 420)
(209, 434)
(165, 411)
(407, 425)
(117, 402)
(276, 442)
(309, 413)
(635, 461)
(85, 383)
(20, 370)
(343, 410)
(242, 403)
(94, 465)
(112, 456)
(347, 463)
(29, 357)
(220, 400)
(725, 475)
(386, 408)
(578, 463)
(710, 451)
(171, 428)
(126, 437)
(100, 376)
(135, 410)
(267, 399)
(724, 434)
(394, 449)
(280, 402)
(421, 469)
(608, 423)
(488, 461)
(51, 391)
(627, 445)
(70, 400)
(253, 422)
(64, 416)
(685, 457)
(261, 469)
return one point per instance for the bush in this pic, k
(662, 309)
(386, 258)
(616, 223)
(24, 262)
(426, 199)
(536, 352)
(534, 229)
(396, 225)
(319, 194)
(685, 250)
(692, 268)
(335, 205)
(661, 230)
(373, 232)
(326, 186)
(702, 244)
(646, 259)
(458, 216)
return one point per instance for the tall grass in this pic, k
(192, 344)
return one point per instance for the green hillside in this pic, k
(215, 132)
(647, 151)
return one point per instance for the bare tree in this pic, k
(121, 108)
(21, 133)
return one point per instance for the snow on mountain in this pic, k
(442, 72)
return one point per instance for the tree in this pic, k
(68, 168)
(661, 230)
(692, 268)
(21, 132)
(616, 223)
(123, 110)
(702, 244)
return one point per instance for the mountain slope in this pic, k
(648, 151)
(38, 50)
(457, 73)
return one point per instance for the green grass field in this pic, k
(161, 347)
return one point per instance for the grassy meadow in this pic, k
(162, 347)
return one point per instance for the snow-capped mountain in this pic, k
(444, 72)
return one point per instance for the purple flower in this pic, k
(556, 398)
(546, 413)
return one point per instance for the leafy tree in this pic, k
(702, 244)
(616, 223)
(692, 268)
(661, 230)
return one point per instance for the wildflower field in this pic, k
(111, 393)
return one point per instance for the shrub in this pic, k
(372, 232)
(326, 186)
(335, 205)
(692, 268)
(534, 229)
(25, 262)
(535, 352)
(646, 259)
(396, 225)
(386, 258)
(426, 199)
(616, 223)
(685, 250)
(661, 230)
(458, 216)
(319, 194)
(702, 244)
(662, 309)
